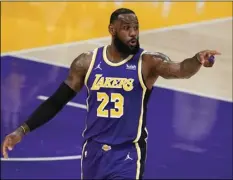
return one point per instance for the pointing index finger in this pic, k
(213, 52)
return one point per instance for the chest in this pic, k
(123, 77)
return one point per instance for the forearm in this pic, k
(49, 108)
(189, 67)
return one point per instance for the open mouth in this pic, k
(133, 42)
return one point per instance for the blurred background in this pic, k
(189, 121)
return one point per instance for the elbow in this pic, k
(178, 76)
(187, 75)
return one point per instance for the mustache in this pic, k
(133, 39)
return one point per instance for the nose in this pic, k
(132, 32)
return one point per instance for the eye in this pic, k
(126, 27)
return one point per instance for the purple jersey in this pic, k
(117, 99)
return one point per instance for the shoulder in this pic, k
(85, 56)
(83, 60)
(152, 61)
(156, 56)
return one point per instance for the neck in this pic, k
(114, 55)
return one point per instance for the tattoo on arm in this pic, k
(160, 56)
(78, 71)
(164, 67)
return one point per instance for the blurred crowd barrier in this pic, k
(34, 24)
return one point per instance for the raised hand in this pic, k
(207, 57)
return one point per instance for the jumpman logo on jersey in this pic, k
(98, 66)
(128, 157)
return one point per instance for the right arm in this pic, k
(49, 108)
(65, 92)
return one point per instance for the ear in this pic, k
(111, 29)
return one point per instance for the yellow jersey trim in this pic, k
(144, 88)
(138, 160)
(86, 79)
(143, 96)
(111, 63)
(82, 156)
(91, 66)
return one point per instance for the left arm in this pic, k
(161, 65)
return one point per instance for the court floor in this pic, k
(189, 121)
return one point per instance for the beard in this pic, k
(124, 48)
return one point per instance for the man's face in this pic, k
(126, 37)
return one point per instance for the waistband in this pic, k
(107, 147)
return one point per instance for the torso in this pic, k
(117, 99)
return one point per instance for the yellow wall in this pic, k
(34, 24)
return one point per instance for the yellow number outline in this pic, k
(118, 101)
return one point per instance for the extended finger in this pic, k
(4, 149)
(213, 52)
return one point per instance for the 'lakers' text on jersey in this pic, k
(117, 99)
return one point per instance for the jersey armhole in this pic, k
(90, 66)
(140, 76)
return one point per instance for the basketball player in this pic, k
(119, 79)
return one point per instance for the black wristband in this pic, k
(49, 108)
(24, 128)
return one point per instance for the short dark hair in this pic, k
(116, 13)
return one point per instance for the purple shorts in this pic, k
(100, 161)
